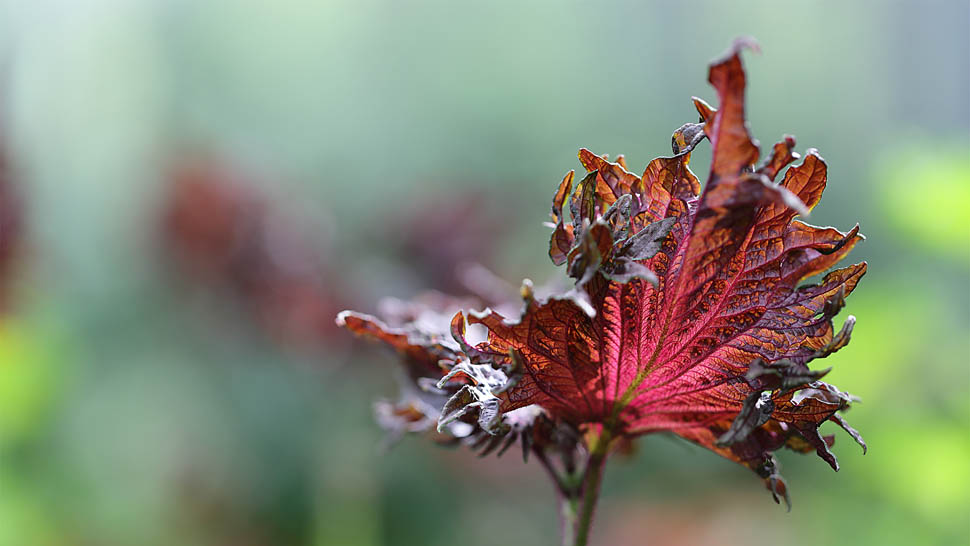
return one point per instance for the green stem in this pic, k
(567, 518)
(578, 491)
(590, 494)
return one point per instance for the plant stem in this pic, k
(590, 495)
(578, 492)
(567, 518)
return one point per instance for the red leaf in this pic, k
(688, 314)
(444, 394)
(222, 231)
(675, 356)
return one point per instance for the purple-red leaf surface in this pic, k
(676, 354)
(689, 313)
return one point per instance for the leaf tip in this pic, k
(734, 51)
(744, 42)
(706, 111)
(341, 319)
(527, 290)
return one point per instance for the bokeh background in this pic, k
(191, 190)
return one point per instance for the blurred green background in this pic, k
(155, 391)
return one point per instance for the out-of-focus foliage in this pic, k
(126, 422)
(233, 241)
(927, 198)
(29, 382)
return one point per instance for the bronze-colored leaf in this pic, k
(716, 347)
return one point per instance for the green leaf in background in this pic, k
(27, 380)
(927, 197)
